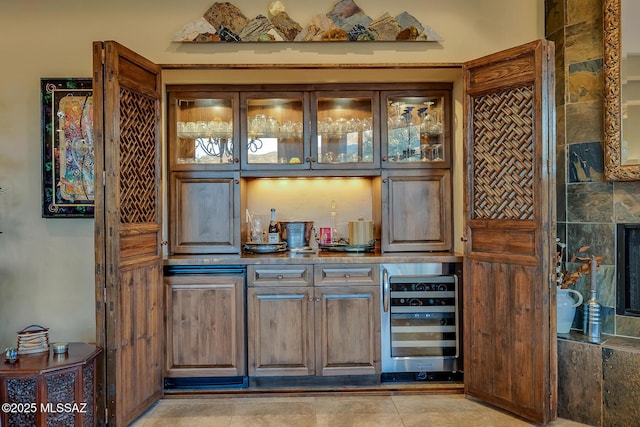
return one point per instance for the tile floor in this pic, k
(422, 410)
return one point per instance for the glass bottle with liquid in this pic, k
(274, 229)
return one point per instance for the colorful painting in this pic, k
(68, 148)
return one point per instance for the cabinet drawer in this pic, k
(280, 275)
(351, 274)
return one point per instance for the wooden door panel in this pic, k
(129, 309)
(205, 326)
(205, 212)
(502, 348)
(139, 335)
(416, 210)
(280, 329)
(352, 349)
(510, 356)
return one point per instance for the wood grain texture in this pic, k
(280, 331)
(205, 326)
(416, 210)
(128, 234)
(204, 214)
(509, 321)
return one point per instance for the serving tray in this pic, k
(265, 248)
(346, 247)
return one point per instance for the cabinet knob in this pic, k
(347, 275)
(385, 180)
(318, 299)
(307, 159)
(384, 158)
(464, 239)
(280, 276)
(236, 160)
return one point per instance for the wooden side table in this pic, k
(47, 389)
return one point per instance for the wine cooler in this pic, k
(420, 320)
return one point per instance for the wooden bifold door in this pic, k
(509, 321)
(129, 306)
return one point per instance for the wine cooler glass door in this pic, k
(421, 324)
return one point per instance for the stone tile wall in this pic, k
(588, 208)
(599, 384)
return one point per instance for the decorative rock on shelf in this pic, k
(226, 15)
(385, 28)
(346, 21)
(286, 27)
(346, 13)
(256, 28)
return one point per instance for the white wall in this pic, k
(46, 265)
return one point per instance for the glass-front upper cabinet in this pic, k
(417, 129)
(344, 130)
(274, 130)
(203, 130)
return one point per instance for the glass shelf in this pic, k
(274, 130)
(344, 130)
(205, 131)
(415, 129)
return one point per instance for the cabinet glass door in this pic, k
(202, 131)
(344, 129)
(416, 130)
(274, 131)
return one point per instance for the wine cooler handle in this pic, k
(385, 290)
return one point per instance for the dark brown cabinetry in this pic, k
(416, 210)
(47, 389)
(347, 319)
(522, 75)
(398, 135)
(204, 212)
(313, 320)
(280, 320)
(205, 326)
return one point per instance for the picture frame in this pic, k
(67, 148)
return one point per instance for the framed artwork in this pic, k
(67, 148)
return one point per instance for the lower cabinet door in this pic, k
(280, 331)
(205, 326)
(347, 330)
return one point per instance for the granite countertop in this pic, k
(317, 257)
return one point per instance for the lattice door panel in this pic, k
(138, 187)
(503, 157)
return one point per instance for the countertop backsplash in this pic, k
(311, 199)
